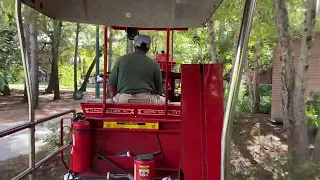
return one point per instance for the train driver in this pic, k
(136, 76)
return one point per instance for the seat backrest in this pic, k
(138, 101)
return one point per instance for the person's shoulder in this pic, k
(152, 61)
(122, 58)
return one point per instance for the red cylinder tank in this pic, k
(144, 167)
(81, 146)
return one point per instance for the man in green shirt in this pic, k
(136, 76)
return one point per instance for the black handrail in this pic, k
(26, 125)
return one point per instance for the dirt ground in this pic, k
(256, 141)
(12, 110)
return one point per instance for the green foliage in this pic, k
(66, 75)
(265, 98)
(244, 102)
(4, 86)
(313, 111)
(10, 59)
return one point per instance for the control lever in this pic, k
(79, 116)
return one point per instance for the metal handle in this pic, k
(234, 86)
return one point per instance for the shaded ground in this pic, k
(12, 110)
(257, 144)
(258, 148)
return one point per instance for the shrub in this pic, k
(265, 98)
(244, 101)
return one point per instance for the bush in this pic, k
(313, 111)
(265, 98)
(244, 101)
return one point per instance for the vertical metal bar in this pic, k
(61, 144)
(105, 64)
(167, 71)
(171, 50)
(26, 67)
(97, 62)
(234, 87)
(110, 50)
(75, 60)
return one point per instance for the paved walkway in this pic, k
(18, 143)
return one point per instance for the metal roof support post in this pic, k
(26, 67)
(105, 66)
(97, 62)
(110, 50)
(167, 72)
(171, 50)
(240, 61)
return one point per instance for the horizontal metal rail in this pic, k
(26, 125)
(40, 163)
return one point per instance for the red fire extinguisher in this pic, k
(144, 167)
(81, 146)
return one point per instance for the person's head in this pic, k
(142, 43)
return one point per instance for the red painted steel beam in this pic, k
(105, 69)
(167, 71)
(151, 29)
(202, 121)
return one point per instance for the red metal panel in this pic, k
(213, 115)
(147, 111)
(137, 141)
(191, 159)
(151, 29)
(202, 118)
(167, 72)
(105, 63)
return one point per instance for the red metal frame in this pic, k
(151, 29)
(167, 70)
(105, 67)
(202, 119)
(197, 124)
(167, 62)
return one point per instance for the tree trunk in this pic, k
(25, 95)
(255, 96)
(235, 45)
(211, 39)
(75, 64)
(54, 77)
(49, 89)
(26, 27)
(34, 59)
(316, 154)
(282, 23)
(301, 129)
(234, 49)
(83, 87)
(32, 50)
